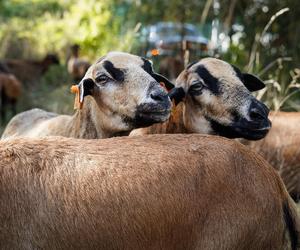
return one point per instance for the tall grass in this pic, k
(283, 84)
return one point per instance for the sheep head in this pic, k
(126, 88)
(218, 100)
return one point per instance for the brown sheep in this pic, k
(120, 92)
(155, 192)
(77, 67)
(281, 147)
(10, 91)
(217, 100)
(28, 71)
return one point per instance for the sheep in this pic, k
(152, 192)
(217, 100)
(77, 67)
(281, 148)
(28, 71)
(120, 92)
(10, 91)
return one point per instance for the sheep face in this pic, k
(127, 90)
(219, 101)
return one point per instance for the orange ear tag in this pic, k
(77, 103)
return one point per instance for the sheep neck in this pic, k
(183, 120)
(93, 123)
(173, 125)
(194, 118)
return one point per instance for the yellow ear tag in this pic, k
(77, 103)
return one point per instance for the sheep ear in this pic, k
(148, 67)
(252, 82)
(177, 95)
(85, 88)
(160, 78)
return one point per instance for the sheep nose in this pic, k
(256, 114)
(157, 93)
(258, 111)
(158, 96)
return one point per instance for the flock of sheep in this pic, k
(189, 185)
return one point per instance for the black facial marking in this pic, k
(210, 81)
(116, 73)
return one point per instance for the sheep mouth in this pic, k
(148, 114)
(158, 113)
(242, 129)
(147, 118)
(251, 133)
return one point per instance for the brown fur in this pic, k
(10, 91)
(11, 86)
(281, 147)
(174, 125)
(160, 192)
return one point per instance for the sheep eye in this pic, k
(196, 88)
(102, 79)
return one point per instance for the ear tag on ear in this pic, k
(76, 90)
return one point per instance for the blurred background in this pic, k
(46, 45)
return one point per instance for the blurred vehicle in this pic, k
(167, 39)
(166, 44)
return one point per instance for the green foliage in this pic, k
(283, 89)
(28, 9)
(51, 92)
(36, 27)
(236, 55)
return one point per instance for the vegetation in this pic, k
(259, 40)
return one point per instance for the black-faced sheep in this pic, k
(216, 100)
(120, 92)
